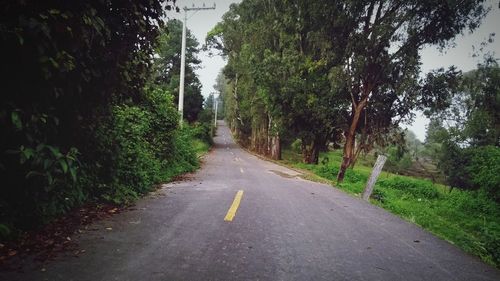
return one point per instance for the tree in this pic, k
(464, 134)
(221, 88)
(167, 67)
(381, 59)
(316, 68)
(241, 37)
(275, 65)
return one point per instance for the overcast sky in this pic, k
(461, 55)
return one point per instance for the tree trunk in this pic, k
(269, 140)
(349, 142)
(356, 155)
(310, 153)
(276, 147)
(235, 95)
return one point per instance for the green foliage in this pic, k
(203, 132)
(84, 127)
(467, 149)
(352, 176)
(135, 159)
(472, 167)
(414, 187)
(316, 70)
(397, 160)
(484, 169)
(144, 147)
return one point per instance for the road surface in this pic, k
(284, 228)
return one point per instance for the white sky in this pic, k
(461, 55)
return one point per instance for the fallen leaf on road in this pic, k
(12, 253)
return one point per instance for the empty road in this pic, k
(243, 218)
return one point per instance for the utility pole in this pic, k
(183, 57)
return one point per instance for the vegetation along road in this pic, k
(134, 139)
(284, 228)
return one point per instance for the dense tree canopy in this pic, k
(326, 71)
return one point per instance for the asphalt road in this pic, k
(285, 228)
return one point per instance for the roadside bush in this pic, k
(136, 164)
(379, 195)
(491, 238)
(484, 169)
(141, 146)
(472, 168)
(203, 132)
(415, 187)
(184, 159)
(471, 202)
(351, 176)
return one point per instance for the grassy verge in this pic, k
(468, 219)
(200, 147)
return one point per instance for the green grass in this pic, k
(468, 219)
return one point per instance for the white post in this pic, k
(216, 104)
(183, 70)
(377, 168)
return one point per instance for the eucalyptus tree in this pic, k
(243, 37)
(315, 67)
(280, 54)
(226, 39)
(382, 60)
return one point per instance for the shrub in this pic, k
(140, 146)
(484, 169)
(203, 132)
(414, 187)
(471, 202)
(491, 238)
(330, 172)
(379, 195)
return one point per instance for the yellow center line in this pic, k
(234, 207)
